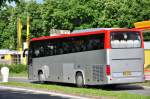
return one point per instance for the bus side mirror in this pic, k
(25, 52)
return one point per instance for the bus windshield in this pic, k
(125, 40)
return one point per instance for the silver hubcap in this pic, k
(41, 77)
(79, 80)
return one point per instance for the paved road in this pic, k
(136, 89)
(131, 88)
(9, 94)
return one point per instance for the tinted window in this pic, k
(67, 45)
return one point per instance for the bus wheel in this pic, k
(79, 80)
(41, 77)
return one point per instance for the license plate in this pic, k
(126, 73)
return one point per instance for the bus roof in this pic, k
(82, 33)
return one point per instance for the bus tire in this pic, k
(79, 80)
(41, 77)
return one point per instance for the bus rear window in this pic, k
(125, 40)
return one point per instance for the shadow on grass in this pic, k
(112, 87)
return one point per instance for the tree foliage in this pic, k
(68, 14)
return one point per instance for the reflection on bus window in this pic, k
(37, 52)
(125, 40)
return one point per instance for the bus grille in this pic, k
(98, 73)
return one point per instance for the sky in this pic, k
(39, 1)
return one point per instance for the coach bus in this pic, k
(95, 56)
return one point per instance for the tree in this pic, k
(7, 26)
(68, 14)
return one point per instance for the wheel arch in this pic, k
(40, 71)
(83, 75)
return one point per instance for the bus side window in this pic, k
(59, 48)
(41, 50)
(35, 50)
(64, 48)
(95, 42)
(83, 46)
(101, 41)
(72, 46)
(49, 48)
(60, 51)
(32, 52)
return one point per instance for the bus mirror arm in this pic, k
(25, 52)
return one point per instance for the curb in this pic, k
(18, 78)
(42, 92)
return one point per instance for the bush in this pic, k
(17, 68)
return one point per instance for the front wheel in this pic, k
(79, 80)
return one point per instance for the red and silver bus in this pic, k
(88, 57)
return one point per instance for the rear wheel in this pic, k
(79, 80)
(41, 77)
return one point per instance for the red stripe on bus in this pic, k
(80, 34)
(142, 39)
(68, 35)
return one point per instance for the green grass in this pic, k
(106, 94)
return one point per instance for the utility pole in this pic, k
(27, 35)
(19, 43)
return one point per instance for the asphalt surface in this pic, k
(131, 88)
(9, 94)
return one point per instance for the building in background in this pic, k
(9, 57)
